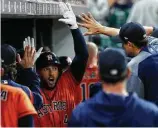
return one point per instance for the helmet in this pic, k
(47, 59)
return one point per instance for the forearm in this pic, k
(81, 55)
(80, 47)
(114, 31)
(28, 77)
(110, 31)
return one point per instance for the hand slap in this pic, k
(30, 54)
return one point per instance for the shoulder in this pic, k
(68, 77)
(147, 107)
(24, 88)
(140, 109)
(13, 91)
(149, 63)
(10, 88)
(134, 63)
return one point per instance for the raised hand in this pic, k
(28, 60)
(68, 14)
(30, 54)
(91, 24)
(30, 42)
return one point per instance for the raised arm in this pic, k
(27, 75)
(94, 27)
(81, 53)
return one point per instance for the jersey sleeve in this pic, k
(79, 62)
(24, 105)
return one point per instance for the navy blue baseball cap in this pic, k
(133, 32)
(8, 54)
(112, 65)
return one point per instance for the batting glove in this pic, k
(68, 14)
(30, 42)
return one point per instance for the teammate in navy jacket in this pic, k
(9, 71)
(113, 106)
(138, 44)
(144, 65)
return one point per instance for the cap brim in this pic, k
(116, 39)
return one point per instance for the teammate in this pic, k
(90, 75)
(96, 28)
(9, 71)
(137, 44)
(57, 87)
(113, 106)
(16, 108)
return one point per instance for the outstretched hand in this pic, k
(91, 24)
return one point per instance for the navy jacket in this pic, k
(29, 81)
(110, 110)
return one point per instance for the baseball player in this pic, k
(137, 44)
(113, 106)
(9, 71)
(57, 87)
(90, 75)
(16, 108)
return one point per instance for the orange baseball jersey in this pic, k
(58, 103)
(14, 105)
(90, 77)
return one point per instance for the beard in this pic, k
(48, 84)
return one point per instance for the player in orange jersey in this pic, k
(58, 87)
(90, 76)
(16, 108)
(29, 77)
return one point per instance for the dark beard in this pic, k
(44, 85)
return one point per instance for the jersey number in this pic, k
(86, 91)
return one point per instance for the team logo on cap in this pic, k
(49, 57)
(114, 72)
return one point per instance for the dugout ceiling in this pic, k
(34, 18)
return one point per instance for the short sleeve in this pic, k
(24, 105)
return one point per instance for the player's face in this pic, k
(128, 49)
(49, 76)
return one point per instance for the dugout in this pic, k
(38, 19)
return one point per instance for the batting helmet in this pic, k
(47, 59)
